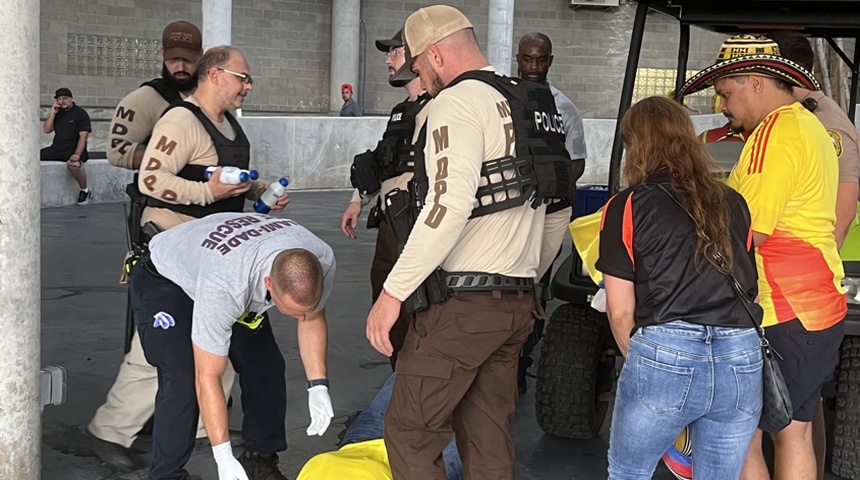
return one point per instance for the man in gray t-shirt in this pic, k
(200, 297)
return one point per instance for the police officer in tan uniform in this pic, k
(198, 133)
(131, 399)
(457, 370)
(389, 166)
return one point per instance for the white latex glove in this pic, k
(319, 404)
(228, 467)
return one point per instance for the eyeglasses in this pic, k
(246, 79)
(393, 52)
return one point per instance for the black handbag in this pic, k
(776, 408)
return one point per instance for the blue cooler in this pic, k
(589, 199)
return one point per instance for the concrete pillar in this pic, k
(20, 283)
(345, 19)
(217, 23)
(500, 32)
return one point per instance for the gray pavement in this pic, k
(83, 315)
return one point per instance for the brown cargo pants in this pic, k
(457, 373)
(384, 259)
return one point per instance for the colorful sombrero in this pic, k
(742, 45)
(679, 457)
(758, 64)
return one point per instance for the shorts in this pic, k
(808, 360)
(56, 155)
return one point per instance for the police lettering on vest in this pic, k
(547, 122)
(394, 154)
(233, 153)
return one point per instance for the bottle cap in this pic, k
(253, 174)
(284, 182)
(243, 176)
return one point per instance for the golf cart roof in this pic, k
(820, 18)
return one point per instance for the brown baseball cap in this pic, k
(182, 39)
(431, 24)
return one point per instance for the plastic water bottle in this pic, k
(232, 175)
(271, 196)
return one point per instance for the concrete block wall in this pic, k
(288, 46)
(287, 43)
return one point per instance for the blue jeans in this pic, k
(680, 374)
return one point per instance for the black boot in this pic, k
(261, 466)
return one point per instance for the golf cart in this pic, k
(579, 360)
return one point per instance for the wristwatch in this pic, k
(318, 381)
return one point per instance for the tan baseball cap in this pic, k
(431, 24)
(183, 40)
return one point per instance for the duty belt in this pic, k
(486, 282)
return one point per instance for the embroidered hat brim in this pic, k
(763, 65)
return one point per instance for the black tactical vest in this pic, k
(541, 168)
(167, 91)
(232, 153)
(395, 153)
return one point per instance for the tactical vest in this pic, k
(167, 91)
(233, 153)
(394, 154)
(540, 170)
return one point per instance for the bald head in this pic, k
(534, 57)
(535, 38)
(298, 274)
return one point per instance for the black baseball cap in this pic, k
(404, 74)
(63, 92)
(386, 45)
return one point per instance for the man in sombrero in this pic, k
(788, 174)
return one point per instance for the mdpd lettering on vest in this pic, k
(549, 123)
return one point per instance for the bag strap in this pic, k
(719, 258)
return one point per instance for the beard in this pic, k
(181, 85)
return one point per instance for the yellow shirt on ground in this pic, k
(788, 174)
(356, 461)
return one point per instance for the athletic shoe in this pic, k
(84, 197)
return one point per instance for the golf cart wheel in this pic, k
(846, 425)
(568, 401)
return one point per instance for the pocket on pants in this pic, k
(485, 322)
(421, 394)
(749, 378)
(663, 388)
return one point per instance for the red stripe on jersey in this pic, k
(763, 152)
(750, 239)
(760, 148)
(627, 229)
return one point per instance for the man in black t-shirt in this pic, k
(71, 126)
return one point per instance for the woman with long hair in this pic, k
(668, 244)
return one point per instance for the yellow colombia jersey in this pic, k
(788, 174)
(356, 461)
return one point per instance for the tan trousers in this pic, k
(131, 399)
(457, 373)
